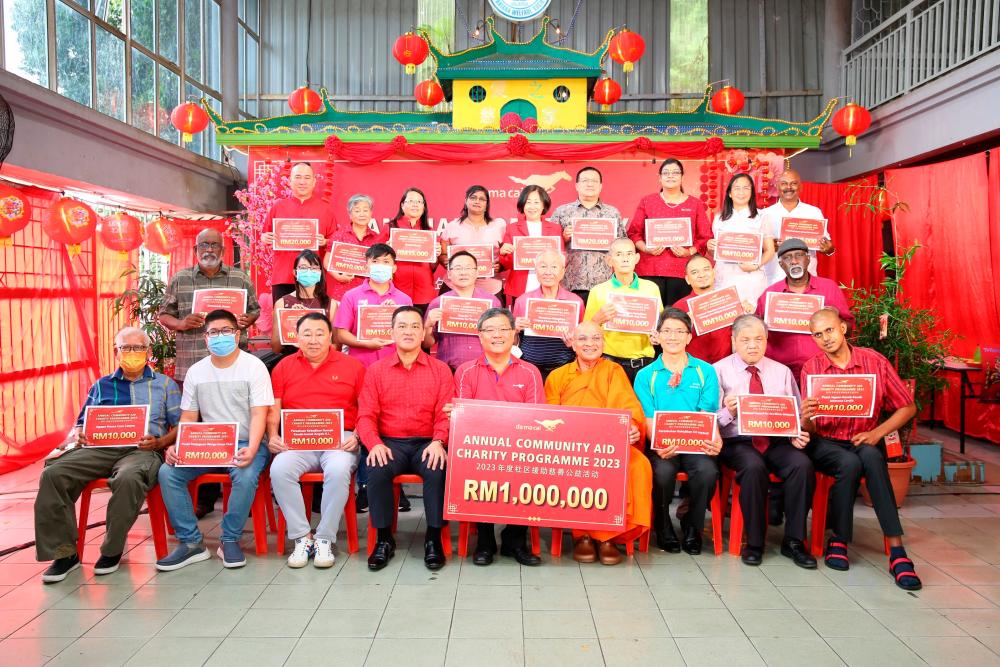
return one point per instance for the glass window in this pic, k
(192, 39)
(213, 46)
(688, 55)
(25, 33)
(251, 67)
(166, 28)
(477, 94)
(242, 58)
(251, 16)
(142, 22)
(143, 86)
(212, 149)
(110, 74)
(113, 12)
(560, 94)
(72, 54)
(167, 98)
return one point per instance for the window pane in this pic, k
(192, 94)
(110, 74)
(167, 99)
(251, 15)
(25, 50)
(192, 39)
(212, 150)
(688, 49)
(142, 22)
(251, 67)
(72, 54)
(112, 11)
(213, 71)
(143, 108)
(241, 40)
(82, 3)
(166, 26)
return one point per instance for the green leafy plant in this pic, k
(142, 305)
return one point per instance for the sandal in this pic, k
(906, 575)
(836, 556)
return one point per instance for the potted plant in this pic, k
(142, 304)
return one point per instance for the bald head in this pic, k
(788, 186)
(588, 342)
(622, 257)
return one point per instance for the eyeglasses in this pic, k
(209, 246)
(215, 333)
(671, 173)
(132, 348)
(462, 269)
(411, 202)
(741, 188)
(474, 198)
(493, 331)
(673, 332)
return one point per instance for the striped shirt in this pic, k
(154, 389)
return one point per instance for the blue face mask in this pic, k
(380, 273)
(307, 277)
(221, 346)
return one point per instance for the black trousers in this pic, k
(847, 464)
(406, 453)
(631, 366)
(583, 294)
(671, 289)
(703, 475)
(752, 474)
(511, 535)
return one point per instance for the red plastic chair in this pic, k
(715, 507)
(261, 509)
(465, 529)
(736, 523)
(397, 483)
(350, 511)
(821, 499)
(157, 517)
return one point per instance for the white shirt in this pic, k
(772, 216)
(228, 394)
(534, 229)
(752, 284)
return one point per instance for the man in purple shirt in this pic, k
(455, 349)
(748, 371)
(794, 349)
(376, 290)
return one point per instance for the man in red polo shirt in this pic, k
(303, 204)
(714, 345)
(402, 424)
(317, 377)
(847, 448)
(500, 376)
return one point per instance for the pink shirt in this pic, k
(456, 349)
(347, 317)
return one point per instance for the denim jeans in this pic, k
(174, 487)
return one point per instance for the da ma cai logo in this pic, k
(520, 10)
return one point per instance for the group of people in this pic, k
(397, 392)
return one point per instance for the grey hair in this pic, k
(494, 312)
(744, 321)
(358, 198)
(130, 331)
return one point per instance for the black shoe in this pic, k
(483, 557)
(797, 551)
(384, 551)
(107, 564)
(692, 540)
(60, 569)
(361, 503)
(521, 553)
(404, 502)
(666, 538)
(752, 555)
(433, 555)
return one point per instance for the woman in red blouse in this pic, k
(415, 279)
(533, 203)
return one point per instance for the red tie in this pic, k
(760, 442)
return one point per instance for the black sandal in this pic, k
(902, 569)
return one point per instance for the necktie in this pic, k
(760, 442)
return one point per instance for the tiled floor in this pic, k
(658, 609)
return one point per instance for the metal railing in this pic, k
(918, 43)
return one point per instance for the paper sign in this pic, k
(484, 254)
(223, 298)
(842, 395)
(312, 430)
(527, 248)
(739, 247)
(115, 425)
(551, 318)
(634, 313)
(375, 321)
(460, 315)
(288, 319)
(668, 232)
(687, 430)
(715, 310)
(414, 245)
(810, 231)
(593, 233)
(206, 444)
(347, 258)
(787, 311)
(763, 414)
(296, 234)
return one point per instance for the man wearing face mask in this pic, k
(229, 386)
(793, 349)
(790, 206)
(131, 471)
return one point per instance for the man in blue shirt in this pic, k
(131, 471)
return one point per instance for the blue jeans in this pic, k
(174, 487)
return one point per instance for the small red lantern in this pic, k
(410, 50)
(15, 213)
(626, 48)
(428, 93)
(189, 119)
(729, 100)
(510, 122)
(70, 222)
(851, 121)
(304, 100)
(121, 232)
(162, 236)
(607, 92)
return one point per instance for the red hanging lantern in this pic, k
(70, 222)
(162, 236)
(121, 232)
(15, 213)
(189, 119)
(304, 100)
(626, 48)
(410, 50)
(607, 92)
(428, 93)
(851, 121)
(729, 100)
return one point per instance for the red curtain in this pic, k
(954, 214)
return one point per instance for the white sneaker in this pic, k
(300, 556)
(324, 554)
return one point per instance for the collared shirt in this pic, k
(283, 269)
(460, 232)
(891, 393)
(154, 389)
(520, 382)
(793, 349)
(397, 402)
(545, 350)
(177, 302)
(698, 390)
(772, 216)
(456, 349)
(586, 268)
(334, 384)
(711, 346)
(616, 343)
(734, 378)
(749, 284)
(347, 317)
(667, 263)
(335, 288)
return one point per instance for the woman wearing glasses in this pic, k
(739, 214)
(308, 293)
(415, 279)
(476, 227)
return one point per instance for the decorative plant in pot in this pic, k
(142, 304)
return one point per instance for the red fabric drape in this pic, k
(955, 217)
(855, 230)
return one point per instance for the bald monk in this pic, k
(596, 382)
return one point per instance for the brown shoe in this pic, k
(609, 553)
(584, 551)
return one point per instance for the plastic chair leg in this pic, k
(81, 524)
(557, 540)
